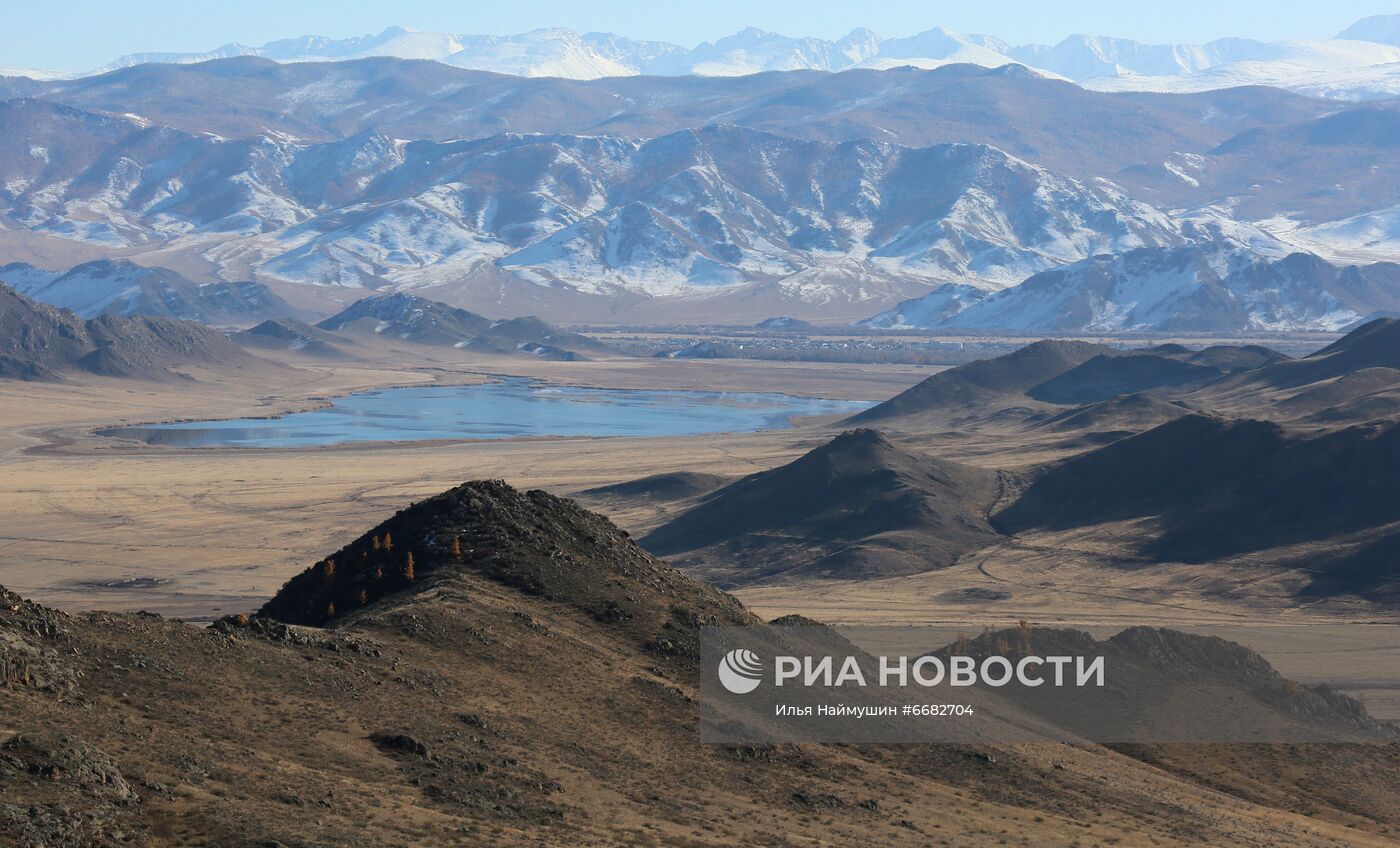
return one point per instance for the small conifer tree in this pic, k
(408, 567)
(330, 610)
(457, 547)
(389, 542)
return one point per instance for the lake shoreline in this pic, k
(502, 407)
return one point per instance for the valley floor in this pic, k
(89, 522)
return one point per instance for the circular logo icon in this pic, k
(740, 671)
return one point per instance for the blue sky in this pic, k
(81, 34)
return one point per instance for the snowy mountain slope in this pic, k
(1369, 237)
(1353, 63)
(1080, 57)
(723, 206)
(1062, 127)
(404, 316)
(36, 73)
(753, 51)
(1343, 70)
(553, 52)
(634, 216)
(1219, 287)
(682, 213)
(107, 287)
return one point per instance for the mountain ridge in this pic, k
(1193, 288)
(121, 287)
(861, 506)
(42, 342)
(561, 52)
(700, 211)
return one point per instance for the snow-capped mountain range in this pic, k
(1200, 287)
(961, 197)
(698, 210)
(1362, 62)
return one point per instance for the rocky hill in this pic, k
(120, 287)
(286, 334)
(532, 336)
(541, 688)
(1216, 487)
(982, 383)
(406, 317)
(857, 507)
(532, 542)
(418, 320)
(1035, 383)
(41, 342)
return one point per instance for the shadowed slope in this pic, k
(1133, 412)
(858, 506)
(1059, 373)
(1162, 369)
(530, 541)
(977, 383)
(39, 342)
(288, 334)
(671, 486)
(1218, 487)
(1375, 344)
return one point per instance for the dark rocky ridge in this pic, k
(1375, 344)
(858, 506)
(1158, 672)
(1063, 373)
(501, 699)
(1165, 368)
(286, 334)
(979, 382)
(40, 342)
(418, 320)
(532, 542)
(1219, 487)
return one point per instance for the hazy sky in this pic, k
(82, 34)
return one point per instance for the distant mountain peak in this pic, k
(1382, 29)
(1329, 68)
